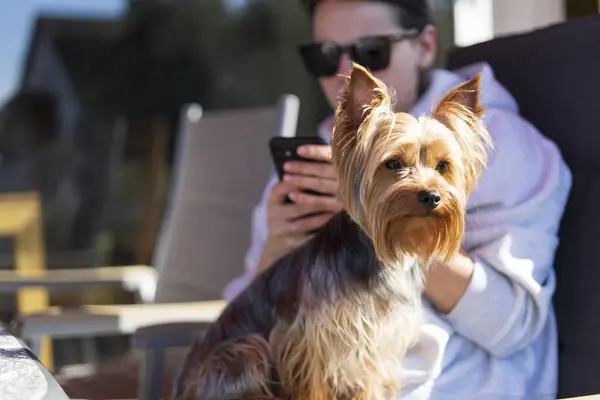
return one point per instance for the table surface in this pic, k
(22, 376)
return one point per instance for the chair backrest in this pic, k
(222, 167)
(554, 74)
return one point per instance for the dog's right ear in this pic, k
(362, 94)
(363, 97)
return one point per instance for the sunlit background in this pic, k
(116, 74)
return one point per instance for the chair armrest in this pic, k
(165, 336)
(136, 278)
(97, 320)
(163, 349)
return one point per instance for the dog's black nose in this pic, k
(430, 199)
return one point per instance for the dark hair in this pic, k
(412, 14)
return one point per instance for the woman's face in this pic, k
(342, 21)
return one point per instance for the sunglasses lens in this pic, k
(321, 59)
(371, 53)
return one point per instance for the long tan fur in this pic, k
(349, 349)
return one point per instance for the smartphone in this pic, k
(284, 149)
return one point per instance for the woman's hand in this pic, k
(291, 224)
(447, 282)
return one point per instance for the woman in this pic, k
(490, 331)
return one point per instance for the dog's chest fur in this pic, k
(354, 323)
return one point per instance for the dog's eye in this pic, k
(442, 166)
(393, 165)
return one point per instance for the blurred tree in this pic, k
(154, 63)
(168, 53)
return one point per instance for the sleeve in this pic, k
(258, 235)
(511, 233)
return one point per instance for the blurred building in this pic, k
(58, 50)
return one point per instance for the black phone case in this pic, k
(283, 149)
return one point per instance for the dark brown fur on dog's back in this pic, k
(240, 366)
(234, 359)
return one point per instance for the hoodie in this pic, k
(500, 341)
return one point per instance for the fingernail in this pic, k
(287, 166)
(293, 196)
(287, 178)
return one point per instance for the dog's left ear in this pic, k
(461, 112)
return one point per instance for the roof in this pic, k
(60, 27)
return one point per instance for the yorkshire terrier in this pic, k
(334, 318)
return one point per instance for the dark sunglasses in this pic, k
(372, 52)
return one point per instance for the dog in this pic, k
(334, 318)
